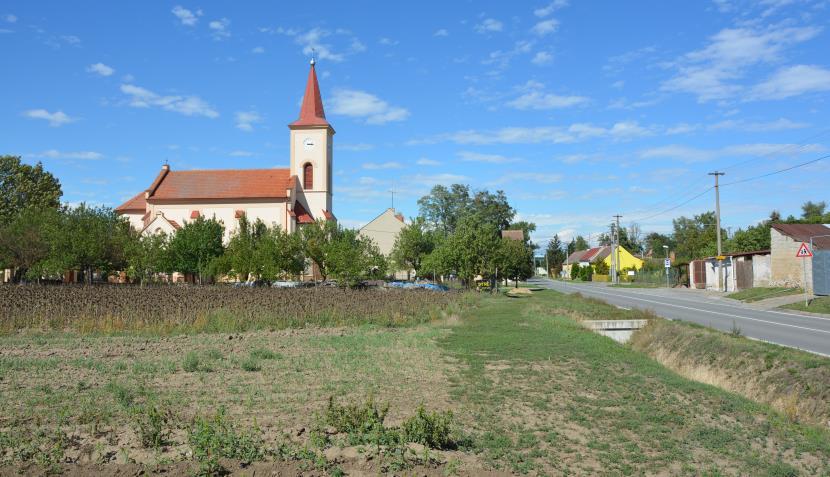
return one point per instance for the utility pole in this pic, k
(615, 259)
(717, 224)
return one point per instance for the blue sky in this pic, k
(577, 110)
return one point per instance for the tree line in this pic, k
(457, 232)
(691, 237)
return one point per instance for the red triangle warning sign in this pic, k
(803, 251)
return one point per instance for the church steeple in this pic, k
(311, 112)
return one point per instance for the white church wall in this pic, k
(271, 213)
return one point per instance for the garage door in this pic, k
(821, 272)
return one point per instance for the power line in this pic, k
(777, 151)
(675, 207)
(776, 172)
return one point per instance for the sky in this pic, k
(577, 110)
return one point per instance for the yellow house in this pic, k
(603, 254)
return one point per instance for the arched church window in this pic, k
(308, 176)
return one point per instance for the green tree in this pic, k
(696, 237)
(316, 240)
(655, 241)
(580, 244)
(628, 238)
(471, 250)
(514, 260)
(353, 258)
(23, 186)
(576, 271)
(195, 246)
(555, 255)
(87, 239)
(442, 207)
(24, 242)
(813, 212)
(147, 256)
(240, 255)
(280, 255)
(526, 227)
(412, 244)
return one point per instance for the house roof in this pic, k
(136, 204)
(513, 234)
(221, 184)
(803, 232)
(311, 111)
(596, 254)
(576, 256)
(302, 215)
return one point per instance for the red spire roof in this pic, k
(311, 112)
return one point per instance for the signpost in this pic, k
(804, 253)
(667, 264)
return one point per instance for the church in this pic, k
(283, 198)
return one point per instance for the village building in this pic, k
(383, 230)
(739, 271)
(593, 256)
(284, 197)
(787, 270)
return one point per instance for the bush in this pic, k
(362, 422)
(432, 429)
(250, 364)
(576, 272)
(214, 438)
(150, 423)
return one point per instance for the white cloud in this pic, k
(681, 128)
(577, 132)
(540, 100)
(187, 105)
(82, 155)
(539, 177)
(317, 40)
(489, 25)
(545, 27)
(430, 180)
(58, 118)
(388, 42)
(101, 69)
(10, 18)
(186, 16)
(374, 166)
(793, 81)
(71, 40)
(220, 28)
(441, 32)
(714, 72)
(501, 58)
(258, 50)
(469, 156)
(245, 120)
(690, 154)
(542, 58)
(427, 162)
(780, 124)
(354, 147)
(363, 105)
(550, 8)
(241, 153)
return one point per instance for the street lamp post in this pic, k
(667, 268)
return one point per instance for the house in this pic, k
(596, 255)
(281, 197)
(788, 270)
(384, 230)
(739, 271)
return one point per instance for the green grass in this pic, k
(639, 285)
(548, 396)
(762, 293)
(817, 305)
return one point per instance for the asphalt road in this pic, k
(810, 333)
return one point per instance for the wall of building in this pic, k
(760, 270)
(626, 260)
(319, 155)
(383, 230)
(787, 270)
(271, 214)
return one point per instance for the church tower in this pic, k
(311, 150)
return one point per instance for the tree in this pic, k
(555, 255)
(576, 271)
(316, 238)
(442, 207)
(23, 186)
(472, 249)
(514, 260)
(24, 242)
(580, 244)
(493, 208)
(195, 246)
(813, 212)
(412, 244)
(696, 237)
(654, 242)
(755, 237)
(280, 254)
(147, 256)
(353, 258)
(240, 255)
(87, 239)
(626, 241)
(526, 227)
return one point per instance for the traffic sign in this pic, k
(803, 251)
(667, 263)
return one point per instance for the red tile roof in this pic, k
(803, 232)
(311, 112)
(221, 184)
(328, 215)
(136, 204)
(303, 217)
(194, 214)
(238, 214)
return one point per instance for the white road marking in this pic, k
(710, 311)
